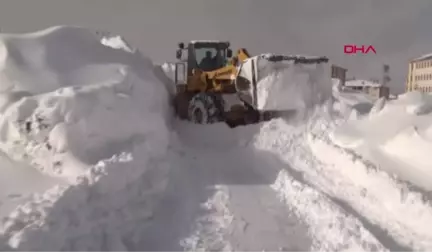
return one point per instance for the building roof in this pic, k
(339, 67)
(427, 56)
(208, 41)
(361, 83)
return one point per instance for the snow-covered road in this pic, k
(220, 198)
(135, 178)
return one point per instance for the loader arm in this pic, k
(242, 55)
(223, 78)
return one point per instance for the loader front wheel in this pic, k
(205, 108)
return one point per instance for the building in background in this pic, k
(338, 72)
(372, 87)
(420, 74)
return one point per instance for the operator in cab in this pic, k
(207, 63)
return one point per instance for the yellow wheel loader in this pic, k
(212, 85)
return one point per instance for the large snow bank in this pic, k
(26, 181)
(72, 100)
(371, 209)
(89, 101)
(398, 129)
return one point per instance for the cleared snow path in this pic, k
(219, 200)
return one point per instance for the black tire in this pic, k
(205, 108)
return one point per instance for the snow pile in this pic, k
(93, 114)
(169, 69)
(165, 73)
(351, 103)
(117, 42)
(398, 131)
(298, 184)
(378, 106)
(418, 155)
(332, 188)
(96, 102)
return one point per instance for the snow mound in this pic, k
(399, 131)
(60, 56)
(351, 103)
(117, 42)
(345, 187)
(378, 106)
(165, 73)
(169, 69)
(93, 114)
(413, 149)
(100, 99)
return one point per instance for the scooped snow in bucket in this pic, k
(286, 83)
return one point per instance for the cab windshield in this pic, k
(210, 58)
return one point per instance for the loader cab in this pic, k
(195, 55)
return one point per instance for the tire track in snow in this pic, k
(376, 199)
(294, 219)
(192, 215)
(245, 213)
(399, 209)
(333, 228)
(209, 229)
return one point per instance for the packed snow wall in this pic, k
(86, 107)
(70, 95)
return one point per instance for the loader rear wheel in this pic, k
(205, 108)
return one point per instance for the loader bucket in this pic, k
(279, 85)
